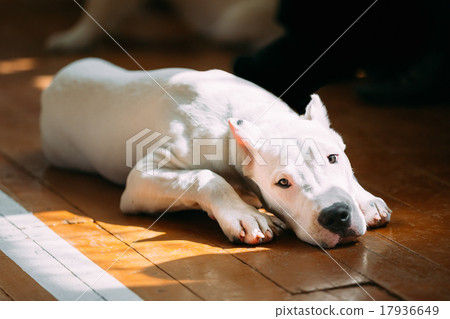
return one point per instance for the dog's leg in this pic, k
(375, 210)
(108, 13)
(188, 189)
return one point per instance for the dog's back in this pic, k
(92, 107)
(88, 110)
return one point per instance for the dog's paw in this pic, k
(376, 212)
(252, 227)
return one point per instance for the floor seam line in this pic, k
(4, 290)
(52, 256)
(416, 209)
(412, 251)
(46, 185)
(146, 258)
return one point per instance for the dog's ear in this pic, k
(246, 133)
(316, 111)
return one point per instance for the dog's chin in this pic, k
(327, 239)
(348, 240)
(339, 241)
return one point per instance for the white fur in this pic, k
(252, 22)
(93, 107)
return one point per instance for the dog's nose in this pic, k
(335, 218)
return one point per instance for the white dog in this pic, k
(228, 21)
(209, 151)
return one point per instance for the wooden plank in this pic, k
(61, 217)
(291, 263)
(18, 285)
(4, 296)
(88, 239)
(242, 281)
(31, 194)
(141, 276)
(356, 294)
(298, 266)
(406, 183)
(22, 187)
(319, 272)
(321, 295)
(424, 234)
(396, 269)
(205, 268)
(52, 262)
(352, 293)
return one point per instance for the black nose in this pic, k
(335, 218)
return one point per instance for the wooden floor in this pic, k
(401, 154)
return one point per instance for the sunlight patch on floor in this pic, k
(17, 65)
(41, 82)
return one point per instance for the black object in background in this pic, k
(392, 38)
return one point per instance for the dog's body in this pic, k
(92, 108)
(252, 22)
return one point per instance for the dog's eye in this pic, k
(333, 158)
(283, 183)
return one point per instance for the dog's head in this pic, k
(303, 175)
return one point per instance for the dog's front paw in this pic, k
(251, 227)
(376, 212)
